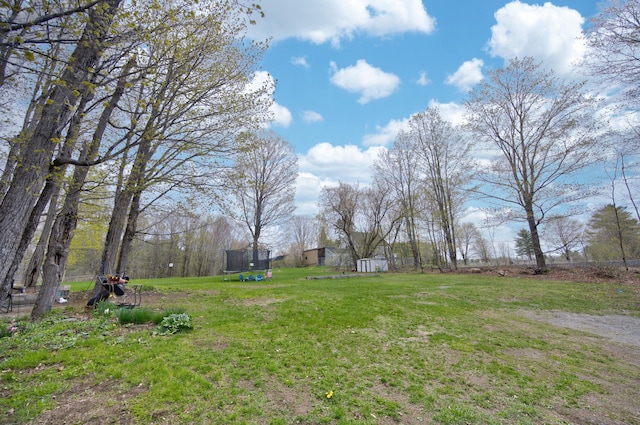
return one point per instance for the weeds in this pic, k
(140, 316)
(136, 316)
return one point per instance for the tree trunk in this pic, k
(122, 200)
(129, 234)
(9, 166)
(541, 264)
(135, 187)
(114, 232)
(29, 176)
(37, 258)
(413, 242)
(49, 195)
(65, 224)
(619, 237)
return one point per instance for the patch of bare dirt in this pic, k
(568, 273)
(98, 404)
(625, 329)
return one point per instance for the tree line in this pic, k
(528, 147)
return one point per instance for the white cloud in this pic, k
(321, 21)
(548, 33)
(385, 135)
(423, 80)
(370, 82)
(308, 187)
(468, 75)
(452, 112)
(280, 114)
(327, 165)
(300, 61)
(347, 163)
(311, 116)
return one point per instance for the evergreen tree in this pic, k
(613, 234)
(524, 244)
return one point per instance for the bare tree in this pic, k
(613, 58)
(613, 39)
(482, 248)
(564, 235)
(399, 168)
(446, 164)
(260, 185)
(362, 217)
(467, 233)
(304, 234)
(544, 132)
(627, 154)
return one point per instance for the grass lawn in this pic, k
(397, 348)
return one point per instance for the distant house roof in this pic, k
(330, 248)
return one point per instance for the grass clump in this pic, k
(139, 316)
(136, 316)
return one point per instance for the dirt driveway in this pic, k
(619, 328)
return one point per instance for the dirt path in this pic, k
(619, 328)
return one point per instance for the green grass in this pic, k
(400, 348)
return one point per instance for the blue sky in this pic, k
(349, 73)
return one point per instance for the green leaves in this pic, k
(174, 323)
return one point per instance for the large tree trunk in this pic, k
(60, 239)
(65, 224)
(255, 252)
(135, 187)
(541, 264)
(55, 260)
(49, 194)
(116, 227)
(129, 234)
(34, 267)
(29, 176)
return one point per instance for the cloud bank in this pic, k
(322, 21)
